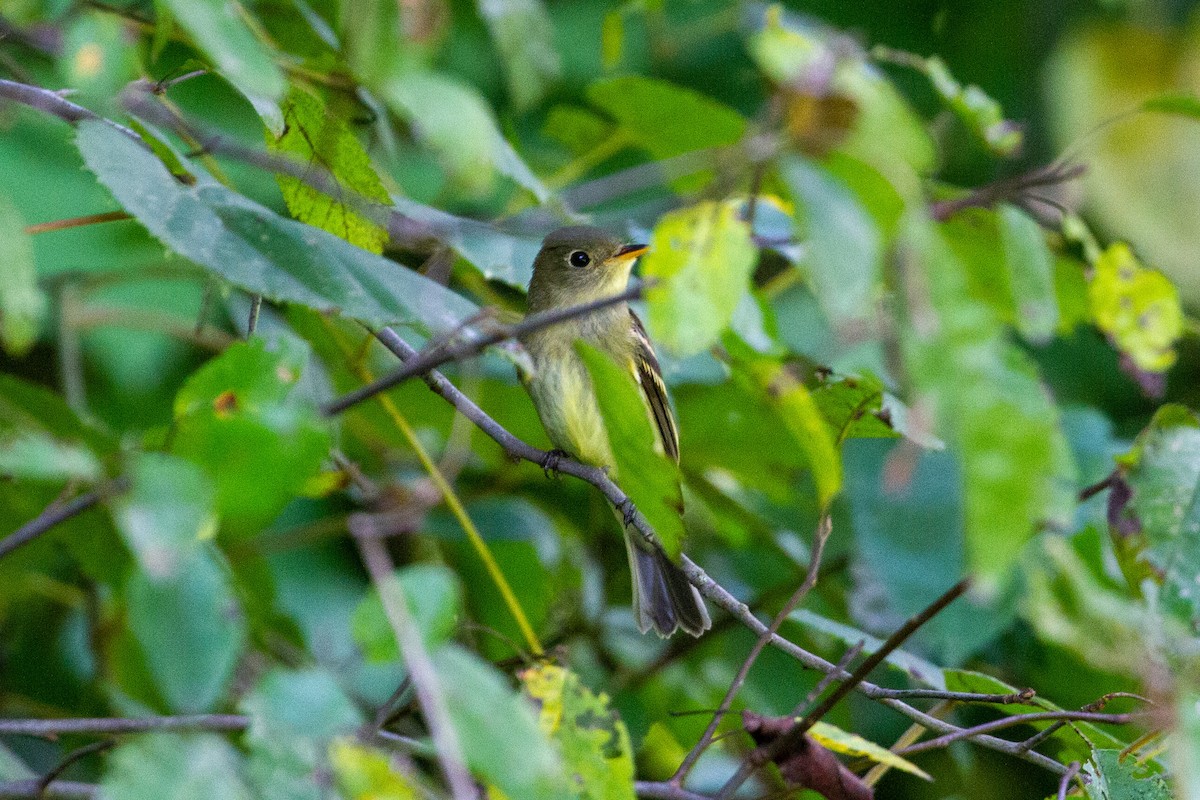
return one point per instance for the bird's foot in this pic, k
(552, 460)
(628, 510)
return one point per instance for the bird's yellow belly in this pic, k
(567, 405)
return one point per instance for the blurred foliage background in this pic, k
(880, 295)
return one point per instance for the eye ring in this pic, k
(579, 258)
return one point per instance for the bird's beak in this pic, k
(631, 251)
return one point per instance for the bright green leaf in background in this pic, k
(1031, 271)
(432, 595)
(524, 36)
(97, 60)
(294, 716)
(190, 629)
(1114, 776)
(591, 736)
(455, 121)
(367, 774)
(700, 260)
(38, 456)
(22, 304)
(665, 119)
(842, 248)
(241, 419)
(647, 475)
(497, 729)
(1136, 307)
(166, 515)
(179, 766)
(989, 403)
(220, 31)
(314, 135)
(254, 248)
(1163, 469)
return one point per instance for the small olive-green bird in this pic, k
(576, 265)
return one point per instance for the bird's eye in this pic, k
(580, 259)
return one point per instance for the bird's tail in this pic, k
(663, 598)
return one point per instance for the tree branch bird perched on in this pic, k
(576, 265)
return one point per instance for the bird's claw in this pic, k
(628, 510)
(552, 460)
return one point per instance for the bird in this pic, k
(575, 265)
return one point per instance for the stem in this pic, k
(76, 222)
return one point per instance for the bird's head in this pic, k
(578, 264)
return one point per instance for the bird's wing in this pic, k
(649, 377)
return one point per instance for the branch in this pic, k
(56, 105)
(437, 355)
(103, 726)
(421, 671)
(1065, 783)
(1021, 719)
(58, 790)
(56, 513)
(664, 790)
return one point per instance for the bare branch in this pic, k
(1065, 783)
(56, 513)
(664, 790)
(1022, 719)
(103, 726)
(425, 682)
(56, 105)
(59, 790)
(437, 355)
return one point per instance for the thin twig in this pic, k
(51, 728)
(1065, 783)
(74, 756)
(59, 790)
(76, 222)
(664, 790)
(828, 679)
(824, 527)
(56, 513)
(1023, 719)
(56, 105)
(425, 681)
(438, 355)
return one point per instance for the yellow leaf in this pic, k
(851, 744)
(366, 774)
(1136, 307)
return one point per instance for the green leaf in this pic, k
(843, 250)
(370, 31)
(454, 120)
(313, 134)
(647, 475)
(37, 456)
(166, 515)
(779, 389)
(700, 259)
(22, 304)
(590, 735)
(576, 129)
(524, 36)
(96, 60)
(190, 629)
(432, 594)
(980, 113)
(1163, 470)
(221, 33)
(1137, 308)
(1111, 777)
(180, 766)
(294, 716)
(259, 440)
(1031, 271)
(256, 249)
(496, 729)
(1175, 103)
(1016, 475)
(665, 119)
(851, 744)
